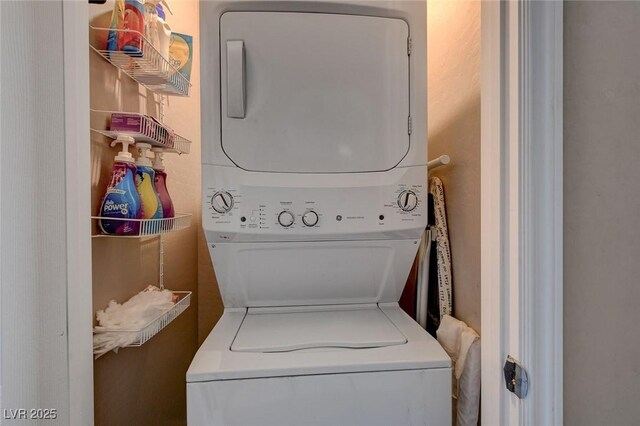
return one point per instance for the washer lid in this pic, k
(314, 92)
(296, 328)
(216, 361)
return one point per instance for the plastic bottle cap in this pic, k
(143, 160)
(160, 12)
(124, 155)
(157, 160)
(159, 6)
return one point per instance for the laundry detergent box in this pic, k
(181, 53)
(143, 124)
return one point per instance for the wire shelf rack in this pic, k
(146, 65)
(147, 130)
(153, 327)
(138, 228)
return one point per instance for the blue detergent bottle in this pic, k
(121, 201)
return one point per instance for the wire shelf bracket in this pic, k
(149, 131)
(153, 327)
(138, 228)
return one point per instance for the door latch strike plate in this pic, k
(516, 378)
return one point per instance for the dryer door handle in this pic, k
(236, 90)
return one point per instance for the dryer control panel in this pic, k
(247, 206)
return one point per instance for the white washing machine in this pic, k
(314, 202)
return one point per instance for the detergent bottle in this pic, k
(121, 200)
(161, 184)
(131, 40)
(145, 176)
(117, 22)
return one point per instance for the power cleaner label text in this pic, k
(111, 206)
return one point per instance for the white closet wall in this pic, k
(33, 260)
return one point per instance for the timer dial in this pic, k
(407, 200)
(310, 218)
(222, 202)
(285, 218)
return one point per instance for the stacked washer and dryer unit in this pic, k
(314, 202)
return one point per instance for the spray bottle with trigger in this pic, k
(156, 29)
(121, 201)
(161, 184)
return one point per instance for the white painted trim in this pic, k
(542, 331)
(492, 176)
(522, 208)
(78, 208)
(1, 112)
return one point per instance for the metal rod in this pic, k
(161, 112)
(440, 161)
(161, 262)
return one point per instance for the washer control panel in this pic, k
(242, 207)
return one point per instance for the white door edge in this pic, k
(521, 210)
(78, 211)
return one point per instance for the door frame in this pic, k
(521, 208)
(75, 19)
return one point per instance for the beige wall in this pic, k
(454, 129)
(146, 385)
(601, 210)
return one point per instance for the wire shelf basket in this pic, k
(153, 327)
(137, 228)
(147, 130)
(145, 65)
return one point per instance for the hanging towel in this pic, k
(439, 291)
(462, 344)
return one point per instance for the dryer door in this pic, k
(314, 93)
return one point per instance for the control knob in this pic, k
(222, 202)
(286, 218)
(310, 218)
(407, 200)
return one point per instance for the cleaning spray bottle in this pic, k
(156, 30)
(151, 207)
(121, 199)
(161, 184)
(151, 23)
(164, 30)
